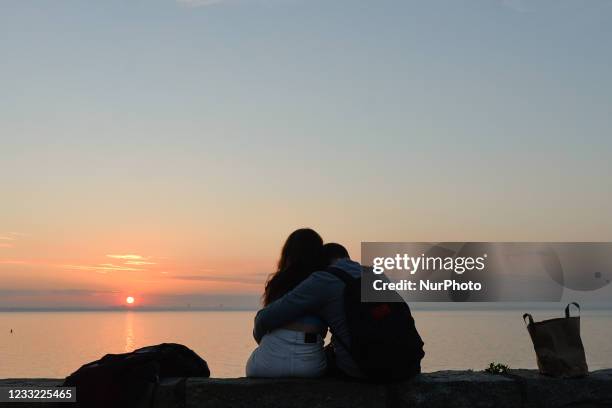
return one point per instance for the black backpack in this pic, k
(384, 341)
(129, 379)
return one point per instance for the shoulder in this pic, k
(351, 267)
(324, 277)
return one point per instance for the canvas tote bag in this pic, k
(558, 345)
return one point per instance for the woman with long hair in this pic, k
(295, 350)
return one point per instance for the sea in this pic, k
(52, 344)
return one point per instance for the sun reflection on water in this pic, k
(130, 342)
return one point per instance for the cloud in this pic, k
(7, 239)
(11, 236)
(139, 263)
(132, 260)
(69, 292)
(15, 262)
(128, 257)
(131, 263)
(253, 279)
(102, 268)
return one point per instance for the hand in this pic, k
(257, 332)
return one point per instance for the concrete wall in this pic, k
(521, 388)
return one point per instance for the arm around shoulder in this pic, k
(305, 298)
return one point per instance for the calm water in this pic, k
(53, 344)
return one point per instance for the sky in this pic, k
(165, 149)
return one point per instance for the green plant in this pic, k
(497, 368)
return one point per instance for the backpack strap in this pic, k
(340, 274)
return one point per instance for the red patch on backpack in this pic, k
(380, 312)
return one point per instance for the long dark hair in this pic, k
(301, 255)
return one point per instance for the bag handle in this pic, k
(567, 309)
(530, 318)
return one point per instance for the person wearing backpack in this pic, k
(372, 341)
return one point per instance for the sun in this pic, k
(129, 300)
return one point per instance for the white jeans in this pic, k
(283, 353)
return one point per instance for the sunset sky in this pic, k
(165, 149)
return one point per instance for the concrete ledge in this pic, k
(520, 388)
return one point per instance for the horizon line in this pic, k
(442, 306)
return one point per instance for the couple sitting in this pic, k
(306, 295)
